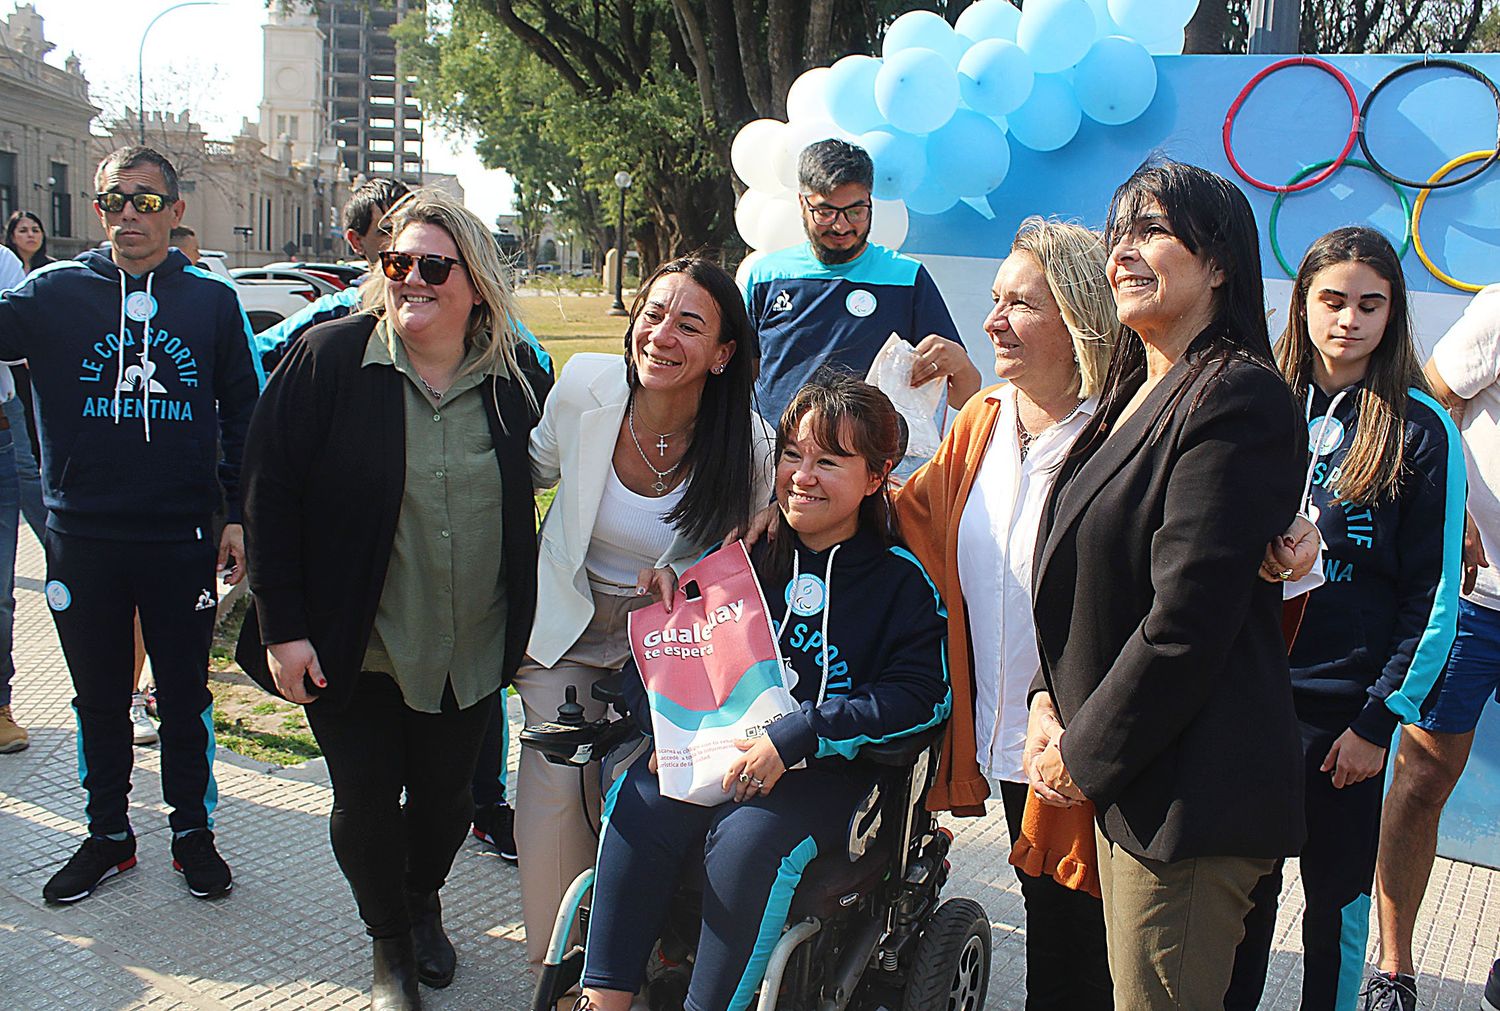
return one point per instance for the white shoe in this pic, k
(141, 727)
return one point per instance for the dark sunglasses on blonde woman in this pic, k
(433, 268)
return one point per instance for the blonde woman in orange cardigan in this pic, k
(973, 514)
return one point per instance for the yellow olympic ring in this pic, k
(1416, 219)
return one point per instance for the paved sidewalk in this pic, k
(288, 938)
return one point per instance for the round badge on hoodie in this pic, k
(1326, 433)
(807, 595)
(140, 306)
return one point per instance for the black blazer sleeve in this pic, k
(1227, 492)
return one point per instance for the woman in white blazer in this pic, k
(656, 455)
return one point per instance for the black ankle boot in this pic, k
(394, 987)
(436, 959)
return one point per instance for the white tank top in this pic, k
(630, 532)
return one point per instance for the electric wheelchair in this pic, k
(866, 930)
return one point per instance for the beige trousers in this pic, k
(556, 818)
(1172, 927)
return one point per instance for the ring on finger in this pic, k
(744, 777)
(1285, 574)
(758, 783)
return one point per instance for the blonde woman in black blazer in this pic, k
(1162, 651)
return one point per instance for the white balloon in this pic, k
(801, 134)
(742, 272)
(781, 222)
(888, 223)
(757, 151)
(805, 99)
(747, 218)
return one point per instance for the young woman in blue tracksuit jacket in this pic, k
(1386, 490)
(866, 635)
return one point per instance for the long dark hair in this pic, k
(1372, 467)
(841, 407)
(720, 460)
(40, 257)
(1214, 221)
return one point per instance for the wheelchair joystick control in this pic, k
(571, 739)
(570, 713)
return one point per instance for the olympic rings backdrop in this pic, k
(1295, 124)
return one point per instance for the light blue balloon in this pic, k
(900, 162)
(989, 19)
(994, 77)
(916, 91)
(850, 93)
(1116, 81)
(923, 30)
(932, 197)
(1055, 33)
(1050, 117)
(970, 154)
(1144, 19)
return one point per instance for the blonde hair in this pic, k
(1072, 259)
(492, 328)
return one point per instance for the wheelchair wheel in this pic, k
(951, 966)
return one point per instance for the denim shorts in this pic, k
(1472, 676)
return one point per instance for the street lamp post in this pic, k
(622, 180)
(140, 62)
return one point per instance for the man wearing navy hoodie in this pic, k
(137, 360)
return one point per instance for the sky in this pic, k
(208, 59)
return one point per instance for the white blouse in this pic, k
(996, 542)
(630, 531)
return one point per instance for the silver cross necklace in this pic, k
(660, 485)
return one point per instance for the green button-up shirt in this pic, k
(441, 617)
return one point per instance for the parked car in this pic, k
(347, 273)
(298, 276)
(266, 303)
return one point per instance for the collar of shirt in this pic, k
(385, 348)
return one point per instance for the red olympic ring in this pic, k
(1333, 166)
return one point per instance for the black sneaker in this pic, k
(495, 825)
(206, 872)
(1492, 989)
(1390, 991)
(97, 859)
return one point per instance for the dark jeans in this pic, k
(375, 748)
(1338, 875)
(94, 587)
(1067, 963)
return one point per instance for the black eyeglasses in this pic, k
(433, 268)
(145, 203)
(825, 214)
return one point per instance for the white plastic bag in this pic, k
(891, 374)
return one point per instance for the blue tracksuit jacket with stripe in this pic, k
(1381, 627)
(809, 313)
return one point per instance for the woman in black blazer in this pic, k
(391, 537)
(1162, 652)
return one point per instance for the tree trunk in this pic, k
(1207, 29)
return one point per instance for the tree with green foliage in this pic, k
(567, 92)
(1350, 26)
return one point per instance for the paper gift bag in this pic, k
(712, 674)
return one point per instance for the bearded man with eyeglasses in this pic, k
(138, 360)
(836, 298)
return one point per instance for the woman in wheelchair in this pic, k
(869, 670)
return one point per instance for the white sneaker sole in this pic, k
(1487, 1006)
(115, 871)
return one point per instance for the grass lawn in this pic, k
(567, 323)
